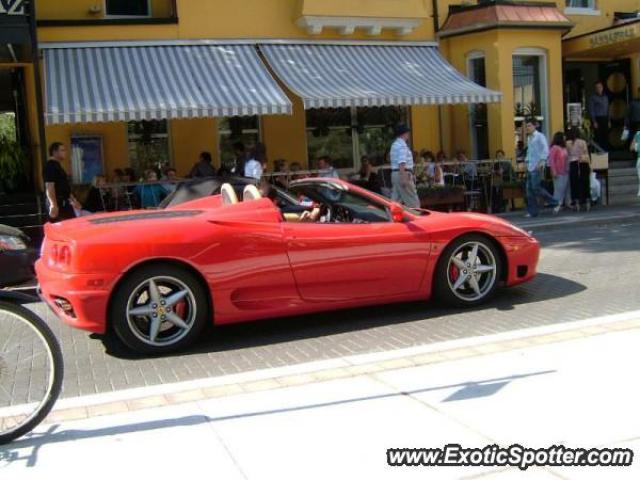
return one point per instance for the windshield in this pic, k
(339, 193)
(338, 196)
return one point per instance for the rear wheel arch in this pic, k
(161, 261)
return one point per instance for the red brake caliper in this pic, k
(180, 308)
(454, 273)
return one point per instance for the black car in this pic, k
(16, 257)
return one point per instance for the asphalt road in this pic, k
(585, 271)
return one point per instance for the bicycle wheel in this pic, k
(31, 370)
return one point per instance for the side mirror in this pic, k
(397, 213)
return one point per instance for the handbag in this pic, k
(586, 157)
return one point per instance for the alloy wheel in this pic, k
(472, 271)
(161, 311)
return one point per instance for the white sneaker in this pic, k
(556, 210)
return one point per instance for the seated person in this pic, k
(151, 193)
(303, 216)
(367, 176)
(99, 198)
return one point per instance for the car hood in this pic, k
(492, 224)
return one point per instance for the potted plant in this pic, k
(12, 165)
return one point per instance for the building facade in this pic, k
(155, 82)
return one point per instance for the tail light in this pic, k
(58, 254)
(64, 256)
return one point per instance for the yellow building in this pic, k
(155, 82)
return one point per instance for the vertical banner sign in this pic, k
(12, 7)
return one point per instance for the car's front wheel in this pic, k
(159, 309)
(468, 271)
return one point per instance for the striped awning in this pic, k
(123, 83)
(345, 75)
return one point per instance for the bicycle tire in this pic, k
(55, 384)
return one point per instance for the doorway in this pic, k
(14, 133)
(579, 85)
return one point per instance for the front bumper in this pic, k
(523, 254)
(87, 294)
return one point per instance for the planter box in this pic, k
(512, 192)
(449, 199)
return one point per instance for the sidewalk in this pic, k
(567, 218)
(571, 384)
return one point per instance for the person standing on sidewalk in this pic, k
(59, 199)
(635, 146)
(402, 179)
(537, 154)
(559, 169)
(579, 170)
(598, 107)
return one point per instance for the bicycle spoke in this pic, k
(6, 393)
(31, 371)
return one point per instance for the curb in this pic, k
(123, 401)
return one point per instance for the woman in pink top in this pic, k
(559, 169)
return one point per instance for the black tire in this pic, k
(442, 285)
(57, 365)
(126, 330)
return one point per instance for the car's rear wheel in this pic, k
(159, 308)
(468, 271)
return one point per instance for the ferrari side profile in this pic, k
(156, 278)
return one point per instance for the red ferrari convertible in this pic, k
(157, 277)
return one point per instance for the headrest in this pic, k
(251, 192)
(229, 196)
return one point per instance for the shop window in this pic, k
(345, 134)
(148, 145)
(128, 8)
(375, 131)
(478, 117)
(329, 133)
(529, 90)
(237, 129)
(581, 6)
